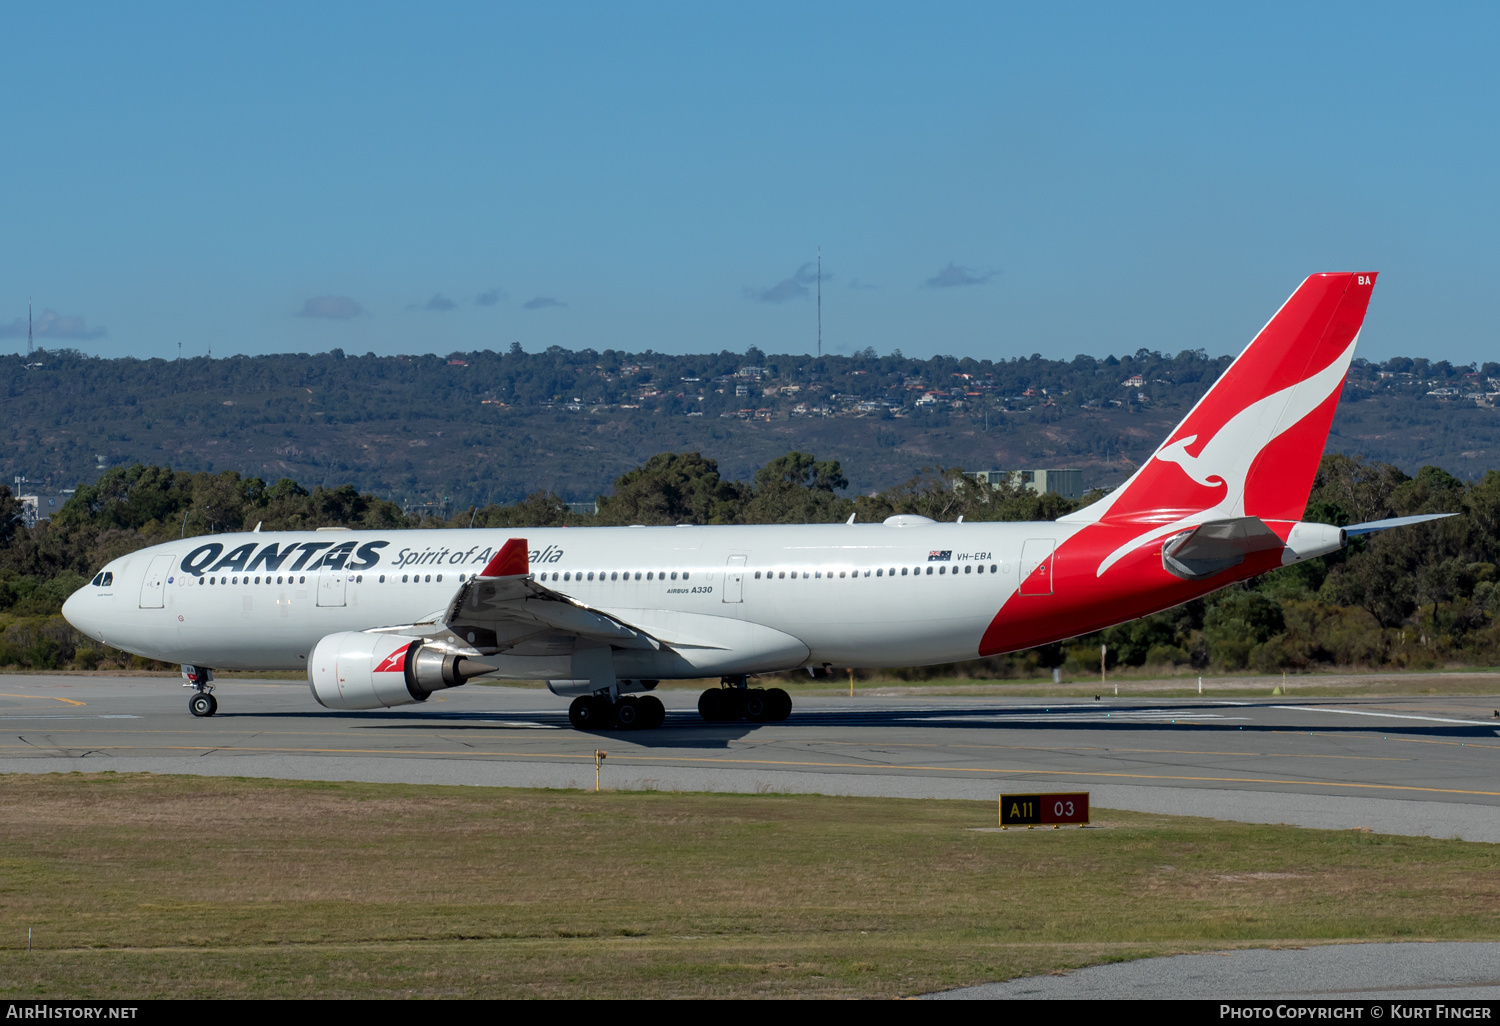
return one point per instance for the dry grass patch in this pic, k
(147, 886)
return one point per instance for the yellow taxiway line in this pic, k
(70, 701)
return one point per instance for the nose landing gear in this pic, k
(200, 679)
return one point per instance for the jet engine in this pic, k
(353, 670)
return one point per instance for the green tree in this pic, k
(539, 509)
(797, 489)
(673, 488)
(10, 515)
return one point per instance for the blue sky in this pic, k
(987, 180)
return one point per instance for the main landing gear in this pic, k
(631, 712)
(200, 679)
(736, 700)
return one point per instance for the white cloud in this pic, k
(795, 287)
(954, 275)
(52, 324)
(335, 308)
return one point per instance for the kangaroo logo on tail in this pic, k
(1177, 453)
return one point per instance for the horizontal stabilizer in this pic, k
(1216, 546)
(1370, 527)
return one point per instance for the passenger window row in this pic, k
(915, 571)
(353, 579)
(105, 580)
(246, 580)
(613, 575)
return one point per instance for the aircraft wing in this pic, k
(505, 608)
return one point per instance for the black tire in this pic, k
(203, 704)
(628, 714)
(734, 704)
(590, 713)
(757, 708)
(581, 713)
(779, 702)
(711, 705)
(653, 713)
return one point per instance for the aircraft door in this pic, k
(734, 578)
(331, 587)
(154, 587)
(1036, 566)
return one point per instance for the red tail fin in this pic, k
(1251, 446)
(510, 561)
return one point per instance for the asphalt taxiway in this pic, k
(1430, 973)
(1405, 765)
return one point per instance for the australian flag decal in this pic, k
(939, 557)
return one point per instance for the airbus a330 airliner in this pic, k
(387, 618)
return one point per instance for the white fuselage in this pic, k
(724, 599)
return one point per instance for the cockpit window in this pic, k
(103, 579)
(98, 579)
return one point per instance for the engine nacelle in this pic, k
(353, 670)
(1308, 540)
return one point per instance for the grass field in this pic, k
(147, 886)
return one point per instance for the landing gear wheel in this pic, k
(628, 714)
(588, 713)
(711, 705)
(653, 713)
(778, 704)
(203, 704)
(757, 709)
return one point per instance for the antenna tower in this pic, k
(28, 329)
(820, 302)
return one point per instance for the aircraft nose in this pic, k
(74, 610)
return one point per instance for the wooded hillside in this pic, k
(444, 432)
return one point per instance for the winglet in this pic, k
(510, 561)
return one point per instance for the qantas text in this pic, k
(352, 556)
